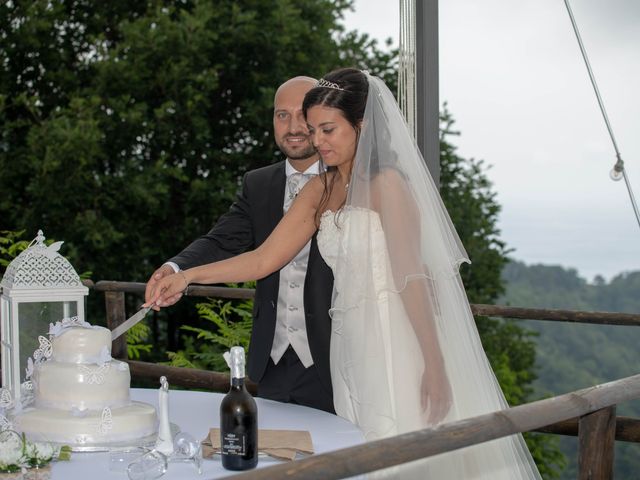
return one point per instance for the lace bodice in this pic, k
(329, 237)
(367, 256)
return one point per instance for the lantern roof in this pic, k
(40, 266)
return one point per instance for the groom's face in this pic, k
(289, 126)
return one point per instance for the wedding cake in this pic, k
(81, 395)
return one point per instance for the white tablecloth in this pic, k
(195, 413)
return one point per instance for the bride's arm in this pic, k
(402, 227)
(288, 238)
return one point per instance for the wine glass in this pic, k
(149, 466)
(120, 458)
(187, 449)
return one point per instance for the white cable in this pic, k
(618, 170)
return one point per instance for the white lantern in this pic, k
(39, 287)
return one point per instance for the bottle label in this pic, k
(234, 444)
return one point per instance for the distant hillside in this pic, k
(574, 356)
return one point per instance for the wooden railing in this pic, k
(114, 295)
(595, 406)
(588, 414)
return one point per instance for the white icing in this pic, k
(81, 393)
(43, 352)
(82, 345)
(59, 327)
(29, 369)
(69, 385)
(132, 421)
(6, 400)
(106, 421)
(105, 355)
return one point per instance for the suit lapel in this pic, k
(276, 194)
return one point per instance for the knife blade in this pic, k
(129, 322)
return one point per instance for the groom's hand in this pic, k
(152, 283)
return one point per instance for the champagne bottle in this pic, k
(238, 420)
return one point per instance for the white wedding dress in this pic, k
(377, 366)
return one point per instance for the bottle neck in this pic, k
(237, 370)
(237, 382)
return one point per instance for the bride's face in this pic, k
(332, 135)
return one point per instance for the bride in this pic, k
(405, 352)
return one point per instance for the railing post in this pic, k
(114, 302)
(596, 437)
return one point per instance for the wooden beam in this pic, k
(627, 429)
(114, 286)
(114, 303)
(597, 443)
(407, 447)
(186, 377)
(601, 318)
(192, 290)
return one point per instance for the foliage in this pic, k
(118, 117)
(362, 51)
(549, 457)
(136, 338)
(232, 323)
(574, 356)
(10, 247)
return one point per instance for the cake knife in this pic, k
(129, 322)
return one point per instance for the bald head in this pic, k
(289, 125)
(300, 82)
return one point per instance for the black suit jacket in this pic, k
(247, 224)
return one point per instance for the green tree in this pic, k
(567, 359)
(125, 129)
(11, 245)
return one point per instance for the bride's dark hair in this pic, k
(345, 89)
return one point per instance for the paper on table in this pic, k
(280, 444)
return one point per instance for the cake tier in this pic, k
(68, 386)
(81, 345)
(119, 425)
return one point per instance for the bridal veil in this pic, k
(423, 255)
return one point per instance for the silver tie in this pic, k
(295, 182)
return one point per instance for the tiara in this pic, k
(327, 84)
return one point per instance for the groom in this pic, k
(289, 351)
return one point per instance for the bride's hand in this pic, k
(168, 290)
(436, 395)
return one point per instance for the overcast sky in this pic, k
(514, 80)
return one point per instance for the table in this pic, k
(195, 413)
